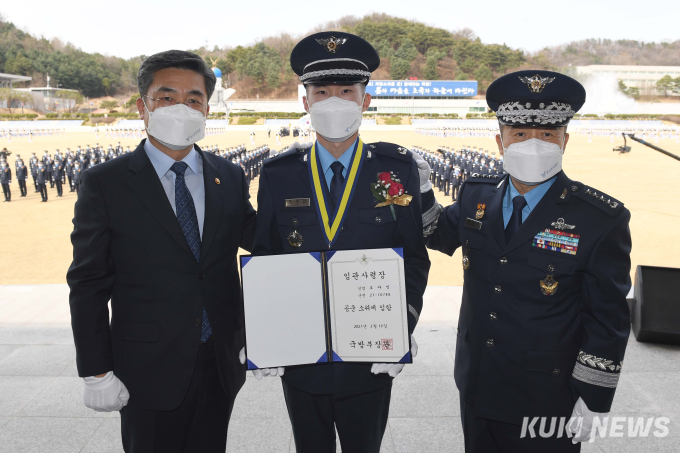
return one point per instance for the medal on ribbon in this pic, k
(480, 211)
(331, 222)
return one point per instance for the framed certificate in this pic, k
(306, 308)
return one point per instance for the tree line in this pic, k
(93, 75)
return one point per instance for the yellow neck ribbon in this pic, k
(332, 224)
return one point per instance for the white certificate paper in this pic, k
(368, 308)
(284, 310)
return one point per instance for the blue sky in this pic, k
(126, 28)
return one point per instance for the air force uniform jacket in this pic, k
(544, 318)
(286, 177)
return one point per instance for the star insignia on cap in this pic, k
(536, 83)
(331, 44)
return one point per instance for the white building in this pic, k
(642, 77)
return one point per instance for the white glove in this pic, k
(264, 372)
(393, 369)
(298, 145)
(581, 424)
(105, 394)
(424, 171)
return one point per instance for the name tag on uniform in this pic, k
(297, 202)
(476, 224)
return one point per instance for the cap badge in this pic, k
(331, 44)
(536, 83)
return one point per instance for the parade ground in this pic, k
(37, 248)
(41, 409)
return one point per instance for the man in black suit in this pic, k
(157, 232)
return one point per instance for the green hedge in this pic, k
(281, 115)
(18, 116)
(247, 120)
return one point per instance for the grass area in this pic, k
(393, 121)
(246, 120)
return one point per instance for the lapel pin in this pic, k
(564, 195)
(217, 181)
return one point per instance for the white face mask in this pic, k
(336, 119)
(177, 126)
(532, 161)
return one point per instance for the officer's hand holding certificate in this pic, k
(347, 305)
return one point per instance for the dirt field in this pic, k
(36, 248)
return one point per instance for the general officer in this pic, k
(352, 397)
(544, 321)
(22, 176)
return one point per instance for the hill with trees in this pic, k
(407, 49)
(93, 75)
(262, 70)
(611, 52)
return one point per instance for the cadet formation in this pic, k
(63, 170)
(450, 167)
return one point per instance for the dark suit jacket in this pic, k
(128, 247)
(518, 352)
(365, 227)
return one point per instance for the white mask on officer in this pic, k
(336, 119)
(177, 126)
(532, 161)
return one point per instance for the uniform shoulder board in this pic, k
(597, 198)
(477, 177)
(390, 149)
(287, 153)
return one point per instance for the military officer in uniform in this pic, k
(544, 321)
(22, 176)
(77, 172)
(33, 164)
(352, 397)
(456, 181)
(6, 180)
(58, 176)
(41, 180)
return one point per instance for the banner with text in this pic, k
(418, 88)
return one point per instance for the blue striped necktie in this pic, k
(188, 221)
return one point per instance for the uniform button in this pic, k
(493, 315)
(295, 221)
(504, 261)
(574, 188)
(556, 371)
(551, 268)
(378, 219)
(498, 289)
(489, 342)
(200, 275)
(197, 322)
